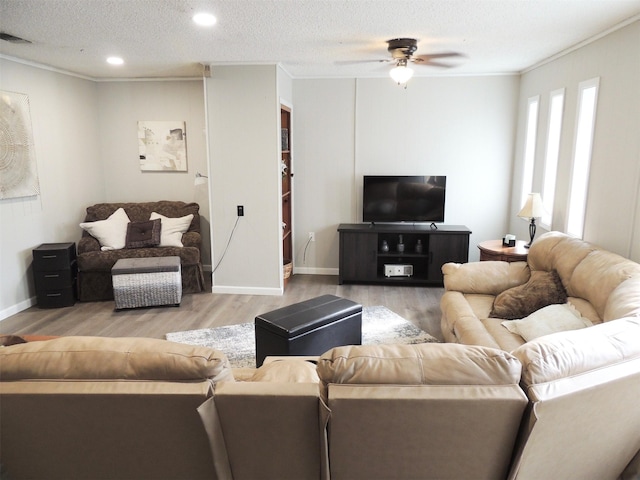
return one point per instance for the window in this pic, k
(556, 106)
(587, 100)
(529, 148)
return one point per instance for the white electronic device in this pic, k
(398, 270)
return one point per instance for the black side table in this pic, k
(55, 271)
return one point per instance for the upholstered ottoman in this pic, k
(308, 328)
(147, 282)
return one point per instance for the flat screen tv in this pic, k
(403, 198)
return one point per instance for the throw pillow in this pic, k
(542, 289)
(172, 229)
(548, 320)
(143, 234)
(112, 232)
(8, 340)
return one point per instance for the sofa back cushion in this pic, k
(486, 278)
(421, 364)
(140, 212)
(624, 300)
(560, 252)
(584, 387)
(98, 358)
(428, 411)
(574, 353)
(586, 271)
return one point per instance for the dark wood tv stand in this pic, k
(362, 259)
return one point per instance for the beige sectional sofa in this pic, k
(601, 285)
(131, 408)
(562, 405)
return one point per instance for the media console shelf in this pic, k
(363, 256)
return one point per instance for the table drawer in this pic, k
(61, 297)
(54, 280)
(49, 257)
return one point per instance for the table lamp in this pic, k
(532, 209)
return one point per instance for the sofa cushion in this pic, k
(542, 289)
(422, 364)
(101, 358)
(172, 229)
(487, 278)
(573, 353)
(598, 275)
(624, 301)
(286, 371)
(143, 234)
(104, 261)
(559, 251)
(111, 232)
(547, 320)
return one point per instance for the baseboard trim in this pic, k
(246, 290)
(315, 271)
(17, 308)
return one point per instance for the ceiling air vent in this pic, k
(12, 38)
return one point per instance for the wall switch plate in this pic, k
(241, 210)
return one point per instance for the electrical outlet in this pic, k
(312, 236)
(241, 210)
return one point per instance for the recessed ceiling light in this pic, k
(115, 60)
(204, 19)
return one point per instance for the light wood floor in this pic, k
(204, 310)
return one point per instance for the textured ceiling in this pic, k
(309, 38)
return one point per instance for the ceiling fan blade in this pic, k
(357, 62)
(429, 56)
(430, 63)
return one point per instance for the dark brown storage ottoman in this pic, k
(308, 328)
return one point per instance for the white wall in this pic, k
(64, 117)
(461, 127)
(613, 206)
(243, 111)
(85, 136)
(121, 105)
(323, 142)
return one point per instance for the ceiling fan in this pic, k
(402, 52)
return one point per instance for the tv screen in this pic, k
(403, 198)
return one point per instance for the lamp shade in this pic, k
(533, 207)
(200, 179)
(401, 74)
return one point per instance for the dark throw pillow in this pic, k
(542, 289)
(143, 234)
(8, 340)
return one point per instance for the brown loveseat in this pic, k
(94, 264)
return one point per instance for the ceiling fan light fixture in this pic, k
(401, 74)
(204, 19)
(115, 61)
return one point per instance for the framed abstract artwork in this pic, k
(18, 167)
(162, 146)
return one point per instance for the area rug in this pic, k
(379, 326)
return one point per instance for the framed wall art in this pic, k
(18, 167)
(162, 146)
